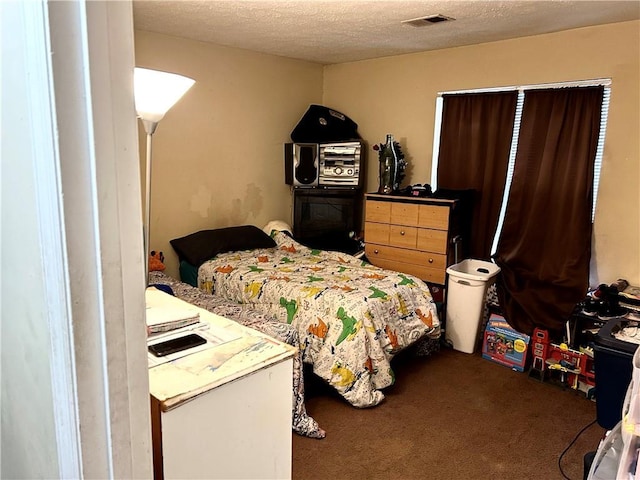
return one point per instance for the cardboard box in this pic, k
(504, 345)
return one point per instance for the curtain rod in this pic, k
(579, 83)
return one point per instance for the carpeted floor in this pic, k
(449, 416)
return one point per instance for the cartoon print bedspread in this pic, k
(352, 317)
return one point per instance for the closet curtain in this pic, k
(475, 142)
(545, 245)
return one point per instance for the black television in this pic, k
(327, 219)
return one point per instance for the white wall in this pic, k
(75, 398)
(218, 153)
(217, 157)
(29, 446)
(397, 95)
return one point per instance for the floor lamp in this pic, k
(155, 93)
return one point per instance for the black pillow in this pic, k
(199, 247)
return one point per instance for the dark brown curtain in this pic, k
(545, 245)
(474, 154)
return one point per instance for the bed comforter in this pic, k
(351, 317)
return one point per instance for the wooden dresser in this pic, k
(411, 234)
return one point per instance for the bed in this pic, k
(351, 317)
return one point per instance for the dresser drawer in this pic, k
(410, 235)
(426, 273)
(378, 212)
(405, 214)
(406, 237)
(376, 232)
(433, 216)
(384, 252)
(401, 236)
(432, 240)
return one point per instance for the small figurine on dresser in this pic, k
(392, 165)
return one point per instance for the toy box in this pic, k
(504, 345)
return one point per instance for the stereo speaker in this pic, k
(301, 164)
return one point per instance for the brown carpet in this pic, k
(449, 416)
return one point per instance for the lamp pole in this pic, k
(149, 128)
(155, 93)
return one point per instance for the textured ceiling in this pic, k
(349, 30)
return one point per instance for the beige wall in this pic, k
(397, 95)
(217, 155)
(218, 152)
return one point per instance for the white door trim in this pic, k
(89, 211)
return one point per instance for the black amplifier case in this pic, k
(321, 124)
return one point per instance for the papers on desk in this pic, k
(214, 338)
(175, 382)
(231, 351)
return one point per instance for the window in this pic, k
(532, 156)
(514, 142)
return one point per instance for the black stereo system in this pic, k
(325, 152)
(324, 165)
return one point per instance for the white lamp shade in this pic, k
(156, 92)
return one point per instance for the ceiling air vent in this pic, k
(428, 20)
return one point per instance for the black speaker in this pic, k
(322, 124)
(301, 164)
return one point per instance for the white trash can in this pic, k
(467, 287)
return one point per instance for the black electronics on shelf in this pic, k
(324, 124)
(327, 218)
(301, 164)
(324, 164)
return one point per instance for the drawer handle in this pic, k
(375, 251)
(401, 232)
(431, 260)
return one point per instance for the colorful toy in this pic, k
(566, 361)
(156, 260)
(539, 353)
(503, 345)
(573, 368)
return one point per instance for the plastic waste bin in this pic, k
(467, 286)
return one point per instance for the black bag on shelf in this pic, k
(322, 124)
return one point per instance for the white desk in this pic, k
(223, 411)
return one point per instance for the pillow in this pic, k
(199, 247)
(277, 225)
